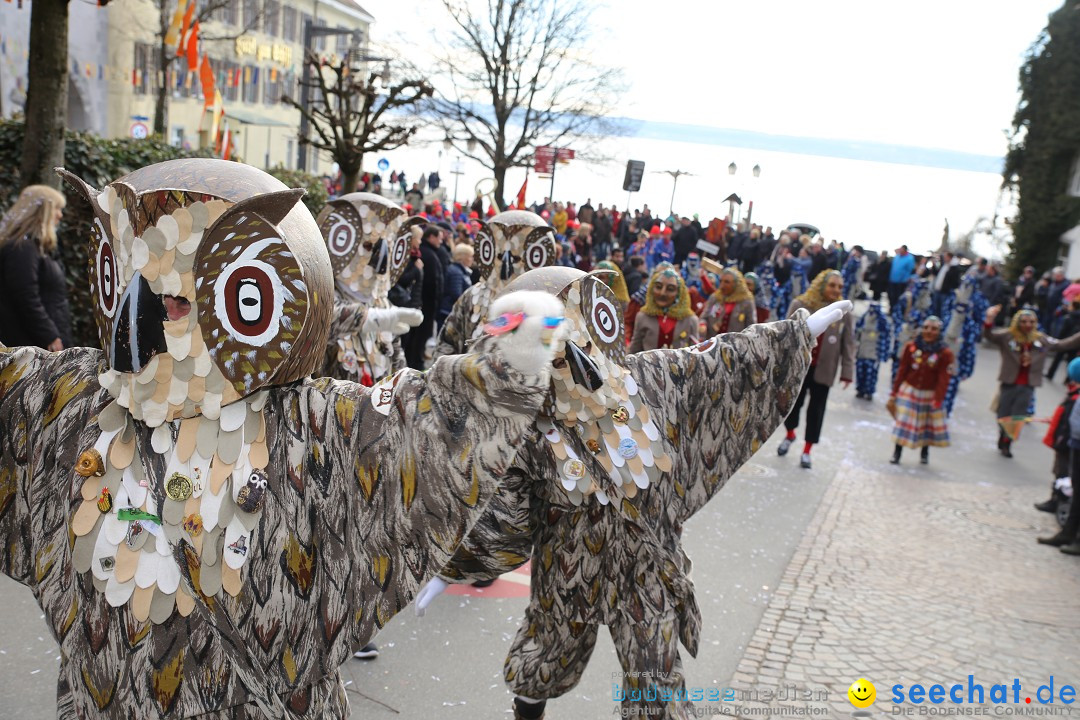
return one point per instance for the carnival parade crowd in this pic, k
(496, 371)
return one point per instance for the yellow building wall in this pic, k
(136, 22)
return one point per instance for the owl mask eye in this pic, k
(539, 249)
(250, 291)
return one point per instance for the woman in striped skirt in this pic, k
(919, 392)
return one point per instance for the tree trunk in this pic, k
(46, 95)
(500, 185)
(349, 180)
(161, 106)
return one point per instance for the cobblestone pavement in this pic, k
(906, 579)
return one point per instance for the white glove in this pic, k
(429, 592)
(394, 320)
(530, 346)
(820, 321)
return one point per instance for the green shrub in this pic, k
(99, 161)
(316, 195)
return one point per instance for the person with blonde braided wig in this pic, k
(615, 280)
(33, 289)
(835, 351)
(731, 307)
(666, 321)
(918, 393)
(1023, 352)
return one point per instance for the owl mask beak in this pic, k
(507, 270)
(379, 257)
(138, 334)
(583, 369)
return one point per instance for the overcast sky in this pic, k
(928, 73)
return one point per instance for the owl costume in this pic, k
(512, 242)
(368, 239)
(207, 531)
(626, 450)
(874, 346)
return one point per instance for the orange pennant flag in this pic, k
(181, 45)
(193, 47)
(206, 77)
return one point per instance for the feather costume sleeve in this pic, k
(718, 401)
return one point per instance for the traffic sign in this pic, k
(139, 130)
(384, 164)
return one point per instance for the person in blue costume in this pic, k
(873, 337)
(963, 333)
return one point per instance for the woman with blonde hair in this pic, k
(33, 289)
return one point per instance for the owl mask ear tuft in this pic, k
(273, 207)
(76, 183)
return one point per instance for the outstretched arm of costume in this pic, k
(42, 401)
(348, 319)
(501, 540)
(717, 402)
(417, 457)
(1066, 344)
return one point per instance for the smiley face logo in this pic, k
(862, 693)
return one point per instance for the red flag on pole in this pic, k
(181, 46)
(193, 47)
(521, 193)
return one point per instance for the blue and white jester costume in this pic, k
(873, 335)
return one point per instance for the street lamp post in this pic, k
(457, 172)
(675, 175)
(732, 169)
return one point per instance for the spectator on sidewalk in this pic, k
(33, 290)
(431, 296)
(903, 265)
(415, 197)
(458, 279)
(1068, 539)
(1057, 439)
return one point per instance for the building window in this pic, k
(288, 23)
(290, 153)
(145, 69)
(273, 86)
(251, 84)
(271, 13)
(230, 13)
(176, 136)
(320, 40)
(251, 15)
(229, 80)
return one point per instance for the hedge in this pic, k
(99, 161)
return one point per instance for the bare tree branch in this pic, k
(347, 113)
(519, 76)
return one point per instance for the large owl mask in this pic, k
(368, 239)
(210, 280)
(595, 421)
(514, 242)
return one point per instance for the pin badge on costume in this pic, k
(104, 503)
(178, 487)
(621, 416)
(628, 448)
(573, 469)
